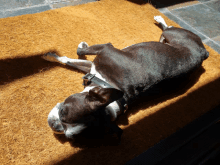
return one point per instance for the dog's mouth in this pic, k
(54, 120)
(59, 127)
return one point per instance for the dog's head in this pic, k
(74, 115)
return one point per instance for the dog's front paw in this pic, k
(50, 57)
(83, 45)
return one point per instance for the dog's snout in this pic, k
(54, 120)
(56, 126)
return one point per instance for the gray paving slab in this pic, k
(184, 25)
(9, 4)
(63, 3)
(13, 4)
(163, 10)
(214, 4)
(202, 18)
(213, 45)
(85, 1)
(217, 39)
(54, 1)
(37, 2)
(30, 10)
(1, 14)
(72, 1)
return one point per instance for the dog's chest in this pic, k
(128, 75)
(96, 73)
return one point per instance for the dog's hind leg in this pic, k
(83, 65)
(162, 22)
(85, 49)
(164, 26)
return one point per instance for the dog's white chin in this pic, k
(54, 120)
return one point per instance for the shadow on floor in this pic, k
(160, 3)
(167, 3)
(16, 68)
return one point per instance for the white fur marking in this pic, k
(54, 120)
(73, 130)
(113, 107)
(81, 45)
(114, 110)
(87, 89)
(63, 59)
(159, 19)
(54, 112)
(94, 71)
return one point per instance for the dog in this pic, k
(116, 78)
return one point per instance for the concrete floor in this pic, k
(201, 17)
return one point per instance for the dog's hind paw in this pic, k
(159, 19)
(83, 45)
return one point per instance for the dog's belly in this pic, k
(139, 67)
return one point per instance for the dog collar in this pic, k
(88, 78)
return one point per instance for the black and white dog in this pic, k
(117, 77)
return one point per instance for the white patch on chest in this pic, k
(97, 74)
(87, 89)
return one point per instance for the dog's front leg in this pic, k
(83, 65)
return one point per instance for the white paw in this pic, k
(159, 19)
(50, 57)
(64, 59)
(83, 45)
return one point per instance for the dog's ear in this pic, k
(104, 96)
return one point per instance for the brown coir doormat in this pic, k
(31, 87)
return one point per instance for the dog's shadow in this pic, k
(95, 137)
(90, 138)
(12, 69)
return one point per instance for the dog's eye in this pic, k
(91, 98)
(64, 111)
